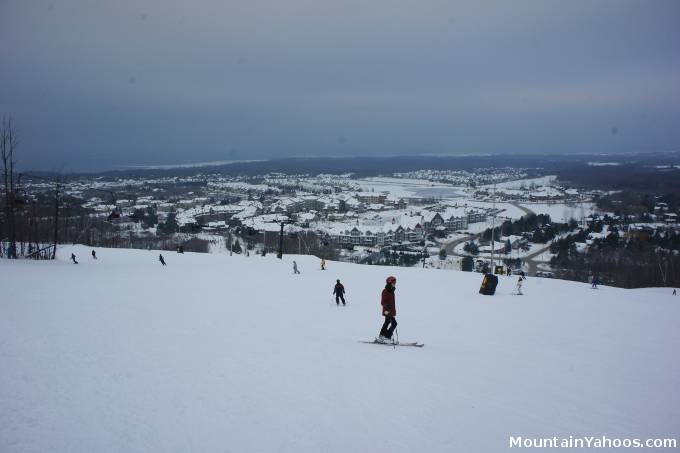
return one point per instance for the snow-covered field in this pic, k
(562, 212)
(407, 187)
(214, 353)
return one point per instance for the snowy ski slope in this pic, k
(214, 353)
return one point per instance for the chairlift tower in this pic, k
(279, 254)
(231, 248)
(583, 212)
(493, 227)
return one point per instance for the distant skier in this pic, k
(73, 258)
(389, 311)
(94, 255)
(508, 272)
(323, 264)
(339, 292)
(295, 268)
(594, 282)
(674, 291)
(518, 288)
(160, 258)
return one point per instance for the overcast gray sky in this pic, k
(94, 84)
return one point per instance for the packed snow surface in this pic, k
(218, 353)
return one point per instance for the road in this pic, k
(531, 263)
(522, 208)
(450, 246)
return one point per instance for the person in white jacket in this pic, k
(518, 289)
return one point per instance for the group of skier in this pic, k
(297, 271)
(388, 305)
(75, 261)
(387, 299)
(387, 302)
(94, 257)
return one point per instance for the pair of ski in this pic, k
(413, 343)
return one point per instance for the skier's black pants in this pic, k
(388, 327)
(338, 297)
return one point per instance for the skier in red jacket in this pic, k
(389, 311)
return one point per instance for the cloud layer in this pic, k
(92, 85)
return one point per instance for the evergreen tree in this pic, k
(138, 215)
(442, 254)
(150, 219)
(538, 236)
(506, 228)
(237, 247)
(170, 226)
(471, 248)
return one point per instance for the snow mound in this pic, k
(219, 353)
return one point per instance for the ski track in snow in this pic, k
(220, 353)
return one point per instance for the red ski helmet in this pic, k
(391, 280)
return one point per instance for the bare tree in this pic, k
(8, 145)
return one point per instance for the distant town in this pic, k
(516, 219)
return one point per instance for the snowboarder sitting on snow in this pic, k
(339, 292)
(160, 258)
(389, 311)
(73, 258)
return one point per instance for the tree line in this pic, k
(630, 260)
